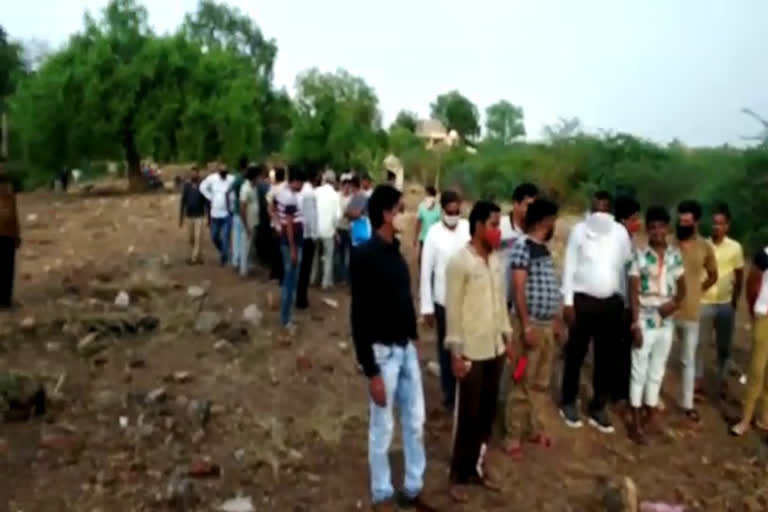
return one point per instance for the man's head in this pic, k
(194, 174)
(383, 206)
(296, 177)
(484, 224)
(628, 213)
(329, 177)
(252, 173)
(279, 174)
(242, 164)
(688, 216)
(721, 221)
(365, 181)
(540, 219)
(523, 195)
(222, 168)
(657, 225)
(354, 183)
(450, 203)
(602, 202)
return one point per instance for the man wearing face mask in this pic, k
(215, 188)
(513, 227)
(537, 306)
(442, 241)
(698, 260)
(596, 255)
(628, 215)
(478, 334)
(385, 336)
(427, 216)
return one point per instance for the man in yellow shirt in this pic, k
(719, 303)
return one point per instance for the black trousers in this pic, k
(7, 269)
(305, 271)
(599, 320)
(476, 398)
(278, 268)
(623, 365)
(447, 380)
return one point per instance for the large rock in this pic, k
(207, 322)
(253, 315)
(21, 396)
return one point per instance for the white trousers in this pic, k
(649, 363)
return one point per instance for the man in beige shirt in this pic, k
(478, 335)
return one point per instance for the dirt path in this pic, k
(283, 424)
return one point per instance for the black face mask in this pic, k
(684, 232)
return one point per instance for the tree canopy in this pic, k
(457, 113)
(504, 122)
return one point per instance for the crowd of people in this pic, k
(503, 312)
(501, 309)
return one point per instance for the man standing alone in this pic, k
(10, 237)
(193, 208)
(596, 255)
(478, 334)
(698, 260)
(719, 304)
(385, 336)
(443, 240)
(215, 188)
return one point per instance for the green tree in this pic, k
(336, 120)
(504, 122)
(457, 113)
(406, 119)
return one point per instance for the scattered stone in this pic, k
(123, 421)
(313, 478)
(182, 401)
(182, 377)
(31, 218)
(203, 469)
(207, 322)
(253, 315)
(239, 504)
(156, 396)
(146, 430)
(434, 368)
(107, 399)
(295, 454)
(343, 346)
(239, 455)
(170, 423)
(181, 494)
(198, 436)
(28, 323)
(199, 410)
(330, 302)
(123, 300)
(90, 345)
(196, 292)
(223, 346)
(53, 346)
(618, 495)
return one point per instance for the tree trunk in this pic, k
(136, 181)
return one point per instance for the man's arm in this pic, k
(755, 279)
(428, 261)
(738, 277)
(710, 265)
(205, 189)
(361, 311)
(519, 277)
(455, 288)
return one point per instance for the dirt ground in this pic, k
(176, 402)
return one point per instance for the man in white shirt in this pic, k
(512, 227)
(443, 240)
(215, 188)
(328, 213)
(308, 207)
(597, 252)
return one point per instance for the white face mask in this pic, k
(450, 220)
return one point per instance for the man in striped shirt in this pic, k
(291, 239)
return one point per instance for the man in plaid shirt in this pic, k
(537, 299)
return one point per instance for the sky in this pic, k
(660, 69)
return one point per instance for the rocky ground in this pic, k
(170, 387)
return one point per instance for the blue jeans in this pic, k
(237, 239)
(402, 379)
(716, 321)
(220, 227)
(290, 280)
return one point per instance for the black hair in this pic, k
(721, 208)
(656, 214)
(690, 206)
(626, 207)
(384, 198)
(448, 197)
(539, 210)
(355, 181)
(280, 174)
(252, 172)
(603, 195)
(243, 162)
(524, 190)
(431, 191)
(481, 212)
(296, 173)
